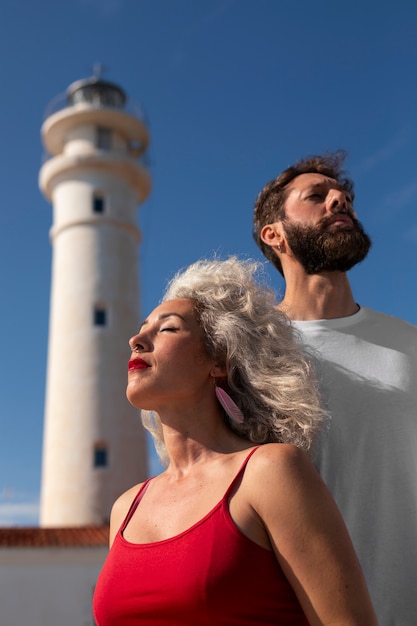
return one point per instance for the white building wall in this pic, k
(48, 586)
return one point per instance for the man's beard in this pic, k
(321, 250)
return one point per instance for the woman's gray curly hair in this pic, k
(268, 375)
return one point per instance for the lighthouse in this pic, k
(95, 176)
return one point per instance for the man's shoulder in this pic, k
(365, 316)
(361, 332)
(387, 320)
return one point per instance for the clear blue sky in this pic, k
(235, 91)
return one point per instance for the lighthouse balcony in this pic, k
(99, 112)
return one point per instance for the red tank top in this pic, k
(208, 575)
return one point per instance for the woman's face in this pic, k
(168, 364)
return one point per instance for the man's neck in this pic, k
(322, 296)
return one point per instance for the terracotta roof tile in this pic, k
(32, 537)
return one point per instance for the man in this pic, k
(367, 365)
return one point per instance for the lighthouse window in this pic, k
(100, 317)
(98, 204)
(103, 138)
(100, 456)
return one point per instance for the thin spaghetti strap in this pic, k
(135, 504)
(239, 474)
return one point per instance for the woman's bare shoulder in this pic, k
(279, 469)
(124, 501)
(280, 457)
(120, 509)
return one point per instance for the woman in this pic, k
(239, 529)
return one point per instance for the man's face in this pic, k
(321, 227)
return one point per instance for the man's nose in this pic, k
(336, 199)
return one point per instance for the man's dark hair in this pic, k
(270, 203)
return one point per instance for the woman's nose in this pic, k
(136, 344)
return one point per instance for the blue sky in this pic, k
(235, 91)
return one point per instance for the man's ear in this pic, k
(271, 235)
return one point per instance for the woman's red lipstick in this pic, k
(137, 364)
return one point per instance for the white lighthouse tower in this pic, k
(94, 444)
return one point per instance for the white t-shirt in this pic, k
(368, 454)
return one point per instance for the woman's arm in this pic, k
(309, 538)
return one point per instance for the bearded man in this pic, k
(305, 225)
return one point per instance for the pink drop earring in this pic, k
(229, 405)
